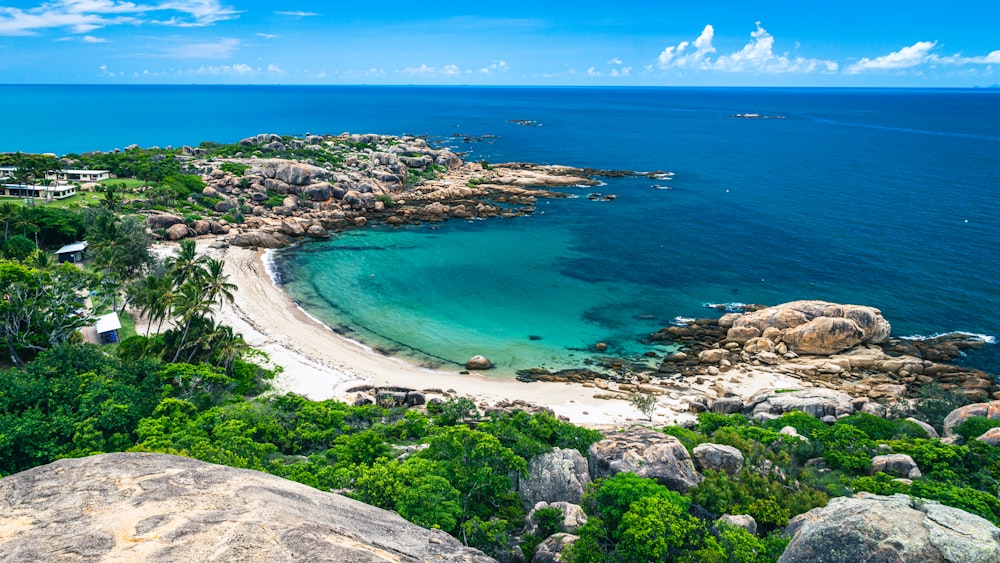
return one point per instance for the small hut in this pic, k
(72, 252)
(107, 327)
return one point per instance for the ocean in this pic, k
(886, 198)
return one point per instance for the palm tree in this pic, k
(216, 282)
(192, 302)
(40, 260)
(186, 265)
(7, 213)
(228, 347)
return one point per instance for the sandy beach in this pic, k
(321, 364)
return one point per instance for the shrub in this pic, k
(805, 424)
(975, 426)
(848, 448)
(234, 168)
(709, 422)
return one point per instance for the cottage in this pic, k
(78, 175)
(107, 328)
(43, 192)
(72, 252)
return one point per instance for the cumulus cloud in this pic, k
(84, 16)
(422, 70)
(233, 70)
(92, 39)
(497, 66)
(907, 57)
(275, 69)
(757, 56)
(616, 61)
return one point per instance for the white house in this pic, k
(78, 175)
(41, 192)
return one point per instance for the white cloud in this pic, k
(221, 49)
(266, 35)
(624, 71)
(675, 56)
(239, 69)
(296, 14)
(756, 56)
(450, 70)
(422, 70)
(594, 72)
(275, 69)
(92, 39)
(497, 66)
(616, 61)
(959, 60)
(84, 16)
(907, 57)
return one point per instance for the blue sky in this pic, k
(662, 43)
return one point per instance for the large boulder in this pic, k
(956, 417)
(293, 173)
(559, 475)
(718, 457)
(177, 232)
(817, 401)
(647, 453)
(817, 327)
(257, 239)
(163, 221)
(870, 528)
(899, 465)
(550, 550)
(153, 507)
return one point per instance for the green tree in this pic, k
(18, 248)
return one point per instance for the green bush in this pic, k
(805, 424)
(235, 168)
(975, 426)
(881, 429)
(848, 448)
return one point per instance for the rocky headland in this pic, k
(347, 181)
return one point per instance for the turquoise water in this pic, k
(881, 197)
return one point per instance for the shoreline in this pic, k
(321, 364)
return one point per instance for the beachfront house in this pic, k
(6, 172)
(107, 328)
(72, 252)
(47, 193)
(77, 175)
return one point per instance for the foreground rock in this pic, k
(152, 507)
(869, 527)
(956, 417)
(647, 453)
(557, 476)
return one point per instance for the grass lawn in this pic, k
(81, 199)
(130, 183)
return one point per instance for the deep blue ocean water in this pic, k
(880, 197)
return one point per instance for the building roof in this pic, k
(84, 171)
(75, 247)
(107, 323)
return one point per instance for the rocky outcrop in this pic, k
(819, 402)
(647, 453)
(559, 475)
(819, 327)
(550, 550)
(991, 437)
(718, 457)
(152, 507)
(873, 528)
(163, 221)
(257, 239)
(956, 417)
(897, 465)
(744, 521)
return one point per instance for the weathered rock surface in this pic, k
(817, 401)
(744, 521)
(898, 465)
(478, 362)
(718, 457)
(152, 507)
(559, 475)
(257, 239)
(549, 551)
(818, 327)
(646, 453)
(956, 417)
(870, 528)
(991, 437)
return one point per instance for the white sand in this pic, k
(321, 364)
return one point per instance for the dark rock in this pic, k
(646, 453)
(550, 550)
(557, 476)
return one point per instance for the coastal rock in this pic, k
(744, 521)
(931, 432)
(718, 457)
(177, 232)
(873, 528)
(557, 476)
(989, 410)
(819, 327)
(646, 453)
(163, 221)
(257, 239)
(712, 356)
(292, 228)
(573, 517)
(550, 550)
(317, 231)
(478, 362)
(160, 508)
(991, 437)
(293, 173)
(897, 465)
(816, 401)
